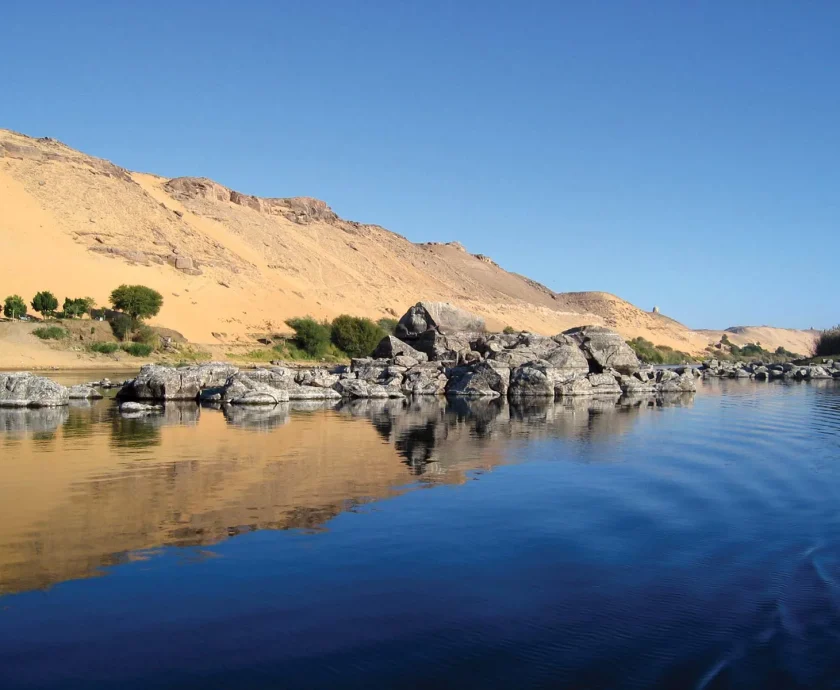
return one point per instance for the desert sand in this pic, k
(231, 266)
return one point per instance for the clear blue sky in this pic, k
(684, 154)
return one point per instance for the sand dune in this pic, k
(231, 266)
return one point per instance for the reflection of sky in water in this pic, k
(663, 543)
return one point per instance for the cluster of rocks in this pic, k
(433, 355)
(760, 371)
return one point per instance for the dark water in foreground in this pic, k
(378, 545)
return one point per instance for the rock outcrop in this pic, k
(440, 316)
(605, 349)
(158, 382)
(22, 389)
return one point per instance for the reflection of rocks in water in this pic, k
(312, 405)
(143, 429)
(258, 417)
(662, 400)
(41, 420)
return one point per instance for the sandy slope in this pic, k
(230, 265)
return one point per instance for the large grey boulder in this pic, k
(157, 382)
(451, 348)
(682, 383)
(358, 388)
(440, 316)
(275, 385)
(391, 348)
(22, 389)
(483, 379)
(425, 379)
(606, 384)
(605, 349)
(534, 379)
(257, 394)
(317, 378)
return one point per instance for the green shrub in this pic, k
(828, 343)
(355, 335)
(311, 336)
(388, 325)
(50, 333)
(103, 348)
(509, 330)
(137, 349)
(146, 335)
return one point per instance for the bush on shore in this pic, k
(137, 349)
(50, 333)
(104, 348)
(828, 343)
(355, 335)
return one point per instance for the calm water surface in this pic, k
(694, 544)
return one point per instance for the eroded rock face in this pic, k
(275, 385)
(440, 316)
(425, 379)
(156, 382)
(390, 348)
(22, 389)
(604, 349)
(480, 380)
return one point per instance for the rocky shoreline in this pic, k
(829, 369)
(439, 350)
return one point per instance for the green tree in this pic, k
(45, 303)
(356, 336)
(73, 307)
(14, 307)
(138, 301)
(311, 336)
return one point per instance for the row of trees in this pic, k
(137, 301)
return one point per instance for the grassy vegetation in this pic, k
(50, 333)
(649, 353)
(137, 349)
(104, 348)
(828, 343)
(388, 325)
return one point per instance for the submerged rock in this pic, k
(82, 392)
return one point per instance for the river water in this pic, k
(689, 544)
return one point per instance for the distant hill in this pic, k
(230, 264)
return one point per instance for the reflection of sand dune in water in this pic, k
(84, 487)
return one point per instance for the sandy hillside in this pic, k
(230, 265)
